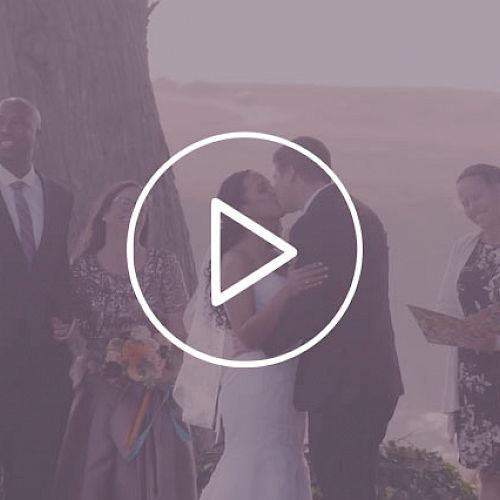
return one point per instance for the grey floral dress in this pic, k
(94, 462)
(478, 419)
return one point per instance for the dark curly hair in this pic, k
(232, 192)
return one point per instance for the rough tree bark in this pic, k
(84, 64)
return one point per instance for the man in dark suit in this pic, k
(35, 389)
(350, 382)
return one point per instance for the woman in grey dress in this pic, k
(97, 461)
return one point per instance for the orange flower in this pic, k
(139, 355)
(134, 352)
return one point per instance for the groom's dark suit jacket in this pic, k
(35, 390)
(358, 358)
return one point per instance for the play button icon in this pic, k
(288, 252)
(219, 209)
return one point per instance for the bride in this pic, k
(263, 432)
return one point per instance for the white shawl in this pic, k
(448, 303)
(197, 387)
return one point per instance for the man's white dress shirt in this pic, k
(33, 193)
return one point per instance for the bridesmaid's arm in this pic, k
(175, 324)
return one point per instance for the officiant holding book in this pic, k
(471, 284)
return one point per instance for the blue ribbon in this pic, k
(181, 432)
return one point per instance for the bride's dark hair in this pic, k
(232, 192)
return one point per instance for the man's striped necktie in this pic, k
(26, 233)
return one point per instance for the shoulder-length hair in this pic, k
(94, 236)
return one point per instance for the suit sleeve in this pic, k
(63, 292)
(318, 240)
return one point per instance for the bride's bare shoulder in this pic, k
(236, 262)
(236, 256)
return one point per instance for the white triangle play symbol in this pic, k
(218, 208)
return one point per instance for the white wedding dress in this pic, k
(263, 432)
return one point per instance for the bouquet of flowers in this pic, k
(138, 355)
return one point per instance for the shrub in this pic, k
(409, 473)
(405, 473)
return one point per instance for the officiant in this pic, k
(472, 283)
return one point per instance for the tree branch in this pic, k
(152, 6)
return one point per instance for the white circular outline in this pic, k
(131, 252)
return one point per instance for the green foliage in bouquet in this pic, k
(406, 473)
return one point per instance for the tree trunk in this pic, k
(84, 63)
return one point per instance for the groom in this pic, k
(350, 382)
(35, 390)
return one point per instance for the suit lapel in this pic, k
(11, 244)
(49, 215)
(10, 241)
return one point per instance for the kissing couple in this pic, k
(345, 388)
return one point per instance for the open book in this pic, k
(443, 329)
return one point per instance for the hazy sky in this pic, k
(452, 43)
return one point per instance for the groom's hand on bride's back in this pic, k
(307, 277)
